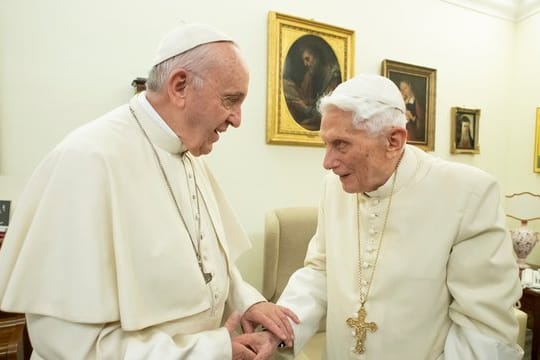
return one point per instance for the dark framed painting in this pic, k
(465, 131)
(417, 85)
(536, 167)
(4, 213)
(138, 84)
(306, 60)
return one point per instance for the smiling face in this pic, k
(362, 161)
(211, 108)
(201, 103)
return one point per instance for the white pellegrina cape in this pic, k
(96, 241)
(445, 280)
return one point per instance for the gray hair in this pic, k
(371, 115)
(197, 61)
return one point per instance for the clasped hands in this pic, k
(252, 345)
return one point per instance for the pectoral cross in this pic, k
(206, 275)
(360, 329)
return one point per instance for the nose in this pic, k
(236, 117)
(329, 162)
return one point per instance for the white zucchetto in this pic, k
(186, 37)
(372, 87)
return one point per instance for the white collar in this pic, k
(153, 114)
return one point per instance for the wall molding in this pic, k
(512, 10)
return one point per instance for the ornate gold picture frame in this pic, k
(465, 131)
(536, 166)
(417, 85)
(306, 59)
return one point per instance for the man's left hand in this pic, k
(263, 343)
(272, 317)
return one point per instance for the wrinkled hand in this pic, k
(263, 343)
(254, 346)
(239, 350)
(273, 317)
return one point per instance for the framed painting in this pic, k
(536, 167)
(417, 85)
(306, 60)
(4, 212)
(465, 131)
(4, 218)
(139, 84)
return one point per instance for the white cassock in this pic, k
(445, 280)
(99, 259)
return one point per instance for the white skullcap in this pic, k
(374, 88)
(184, 38)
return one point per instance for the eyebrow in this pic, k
(236, 93)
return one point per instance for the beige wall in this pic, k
(524, 99)
(64, 62)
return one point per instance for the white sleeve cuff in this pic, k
(464, 343)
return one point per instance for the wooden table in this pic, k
(530, 303)
(14, 341)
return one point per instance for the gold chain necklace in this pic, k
(195, 244)
(359, 323)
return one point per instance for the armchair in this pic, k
(286, 238)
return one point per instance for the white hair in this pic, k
(371, 115)
(197, 60)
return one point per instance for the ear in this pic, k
(397, 138)
(177, 87)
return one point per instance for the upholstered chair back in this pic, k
(287, 235)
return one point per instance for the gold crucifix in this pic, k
(360, 329)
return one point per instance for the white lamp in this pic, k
(523, 207)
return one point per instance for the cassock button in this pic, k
(372, 231)
(363, 282)
(365, 265)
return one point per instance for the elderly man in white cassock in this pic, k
(410, 259)
(122, 245)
